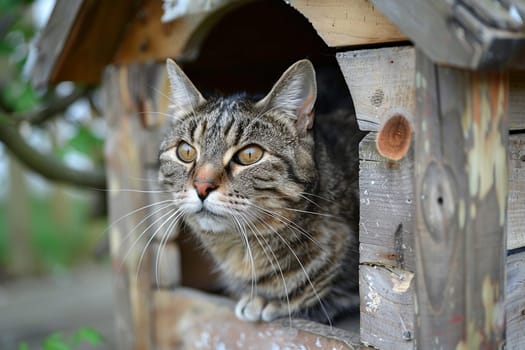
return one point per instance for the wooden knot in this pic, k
(394, 137)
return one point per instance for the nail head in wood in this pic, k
(393, 140)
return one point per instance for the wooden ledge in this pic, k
(189, 319)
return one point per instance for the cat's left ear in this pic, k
(184, 95)
(294, 94)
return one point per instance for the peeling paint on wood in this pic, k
(387, 307)
(461, 195)
(187, 319)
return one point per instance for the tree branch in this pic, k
(53, 108)
(47, 165)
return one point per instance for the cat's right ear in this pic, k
(184, 95)
(294, 94)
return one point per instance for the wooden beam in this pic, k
(516, 204)
(135, 115)
(381, 82)
(515, 301)
(460, 34)
(461, 199)
(80, 39)
(53, 39)
(348, 23)
(189, 319)
(386, 208)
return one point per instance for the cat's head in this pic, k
(236, 164)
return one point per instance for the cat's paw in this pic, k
(257, 308)
(250, 308)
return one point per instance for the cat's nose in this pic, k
(204, 187)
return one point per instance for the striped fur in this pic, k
(281, 230)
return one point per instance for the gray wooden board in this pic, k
(386, 209)
(460, 182)
(517, 100)
(516, 301)
(516, 200)
(381, 83)
(387, 307)
(451, 33)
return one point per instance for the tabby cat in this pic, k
(271, 196)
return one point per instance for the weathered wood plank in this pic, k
(517, 100)
(147, 37)
(131, 93)
(347, 23)
(461, 197)
(460, 35)
(53, 38)
(387, 307)
(187, 319)
(386, 248)
(516, 301)
(381, 82)
(386, 208)
(516, 202)
(71, 47)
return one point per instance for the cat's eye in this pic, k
(186, 152)
(249, 155)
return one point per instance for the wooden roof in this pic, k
(83, 36)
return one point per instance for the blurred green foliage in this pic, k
(57, 341)
(54, 240)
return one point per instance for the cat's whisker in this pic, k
(132, 190)
(242, 232)
(125, 216)
(128, 235)
(157, 113)
(317, 196)
(284, 220)
(298, 210)
(163, 242)
(255, 230)
(308, 212)
(175, 213)
(162, 94)
(138, 238)
(305, 273)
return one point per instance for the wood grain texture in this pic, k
(53, 38)
(517, 100)
(387, 307)
(381, 83)
(347, 23)
(460, 35)
(188, 319)
(516, 301)
(386, 248)
(131, 152)
(147, 37)
(386, 208)
(461, 196)
(80, 39)
(516, 202)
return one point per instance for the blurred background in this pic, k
(53, 239)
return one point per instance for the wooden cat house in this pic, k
(442, 170)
